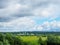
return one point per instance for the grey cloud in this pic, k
(4, 19)
(21, 15)
(3, 4)
(23, 12)
(32, 5)
(7, 12)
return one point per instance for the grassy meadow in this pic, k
(32, 40)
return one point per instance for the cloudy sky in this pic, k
(29, 15)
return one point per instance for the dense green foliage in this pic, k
(11, 39)
(50, 40)
(53, 40)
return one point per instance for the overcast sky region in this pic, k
(29, 15)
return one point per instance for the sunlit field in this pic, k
(32, 40)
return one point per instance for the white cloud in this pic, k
(39, 28)
(28, 24)
(48, 11)
(18, 10)
(21, 8)
(12, 9)
(49, 26)
(21, 24)
(44, 9)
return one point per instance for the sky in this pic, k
(29, 15)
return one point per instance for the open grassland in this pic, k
(32, 40)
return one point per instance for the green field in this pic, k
(32, 40)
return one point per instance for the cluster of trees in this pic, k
(51, 40)
(9, 39)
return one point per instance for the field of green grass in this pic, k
(40, 40)
(32, 40)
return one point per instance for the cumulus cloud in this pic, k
(50, 11)
(21, 24)
(18, 15)
(12, 9)
(20, 8)
(49, 26)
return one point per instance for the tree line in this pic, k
(10, 39)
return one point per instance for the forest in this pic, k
(12, 39)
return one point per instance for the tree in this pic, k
(2, 37)
(10, 38)
(42, 42)
(6, 42)
(17, 41)
(1, 43)
(53, 40)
